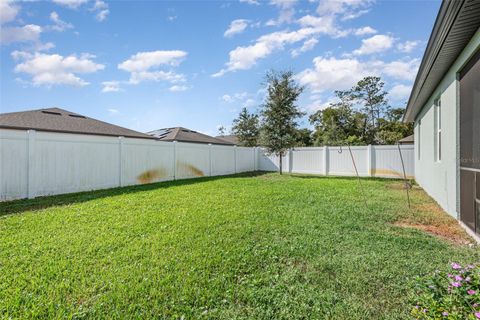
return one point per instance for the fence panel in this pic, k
(46, 163)
(386, 161)
(378, 161)
(245, 159)
(192, 160)
(64, 163)
(223, 160)
(13, 164)
(340, 161)
(267, 162)
(307, 160)
(145, 161)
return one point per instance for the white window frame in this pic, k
(438, 129)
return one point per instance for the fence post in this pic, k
(325, 160)
(174, 160)
(290, 160)
(120, 161)
(255, 159)
(210, 159)
(31, 135)
(235, 158)
(369, 160)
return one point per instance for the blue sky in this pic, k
(152, 64)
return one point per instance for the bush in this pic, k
(448, 295)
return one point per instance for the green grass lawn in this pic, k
(238, 247)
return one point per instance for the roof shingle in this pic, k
(185, 135)
(60, 120)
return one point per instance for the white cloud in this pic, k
(243, 58)
(364, 30)
(168, 76)
(240, 98)
(59, 24)
(319, 104)
(72, 4)
(144, 66)
(341, 7)
(27, 33)
(354, 14)
(333, 74)
(101, 9)
(240, 95)
(287, 12)
(255, 2)
(111, 86)
(311, 26)
(102, 15)
(44, 46)
(54, 69)
(407, 46)
(143, 61)
(178, 88)
(399, 92)
(324, 24)
(307, 46)
(227, 98)
(236, 27)
(377, 43)
(330, 73)
(249, 103)
(8, 11)
(113, 111)
(402, 69)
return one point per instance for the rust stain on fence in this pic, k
(388, 172)
(191, 169)
(151, 175)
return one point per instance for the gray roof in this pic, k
(229, 138)
(185, 135)
(407, 140)
(60, 120)
(456, 23)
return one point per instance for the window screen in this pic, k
(470, 114)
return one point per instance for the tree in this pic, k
(392, 128)
(304, 138)
(338, 124)
(371, 97)
(222, 130)
(280, 113)
(360, 115)
(246, 128)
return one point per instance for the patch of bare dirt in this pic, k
(450, 232)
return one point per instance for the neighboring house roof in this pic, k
(229, 138)
(407, 140)
(185, 135)
(60, 120)
(456, 23)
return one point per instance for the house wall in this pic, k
(440, 179)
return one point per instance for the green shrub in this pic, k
(448, 295)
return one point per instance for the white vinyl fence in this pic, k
(371, 161)
(36, 163)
